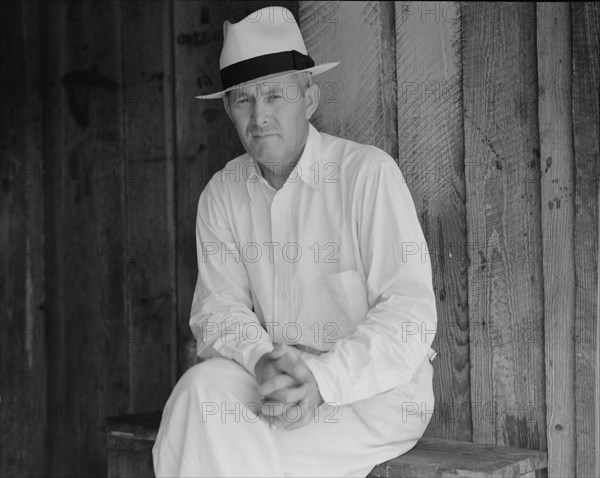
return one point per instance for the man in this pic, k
(314, 303)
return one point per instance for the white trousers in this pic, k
(210, 427)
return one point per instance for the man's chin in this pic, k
(266, 156)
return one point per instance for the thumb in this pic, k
(279, 350)
(292, 365)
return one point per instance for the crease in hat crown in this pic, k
(269, 37)
(278, 33)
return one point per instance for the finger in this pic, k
(268, 371)
(275, 383)
(289, 394)
(298, 417)
(279, 422)
(278, 351)
(293, 366)
(295, 425)
(308, 407)
(272, 408)
(291, 414)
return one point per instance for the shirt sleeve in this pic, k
(388, 347)
(222, 319)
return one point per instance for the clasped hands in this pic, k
(290, 391)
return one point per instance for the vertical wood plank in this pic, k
(130, 458)
(504, 225)
(22, 294)
(557, 188)
(206, 140)
(431, 156)
(149, 181)
(54, 97)
(88, 351)
(585, 21)
(358, 97)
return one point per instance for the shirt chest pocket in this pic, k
(333, 307)
(349, 293)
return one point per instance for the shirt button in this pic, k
(283, 296)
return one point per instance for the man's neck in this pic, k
(276, 174)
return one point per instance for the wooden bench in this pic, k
(131, 437)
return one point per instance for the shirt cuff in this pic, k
(318, 370)
(254, 354)
(244, 352)
(338, 388)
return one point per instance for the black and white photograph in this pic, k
(299, 239)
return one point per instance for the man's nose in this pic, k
(261, 112)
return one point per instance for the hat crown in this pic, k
(268, 30)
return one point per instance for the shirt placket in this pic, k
(280, 209)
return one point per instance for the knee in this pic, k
(213, 376)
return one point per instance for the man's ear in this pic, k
(311, 99)
(226, 104)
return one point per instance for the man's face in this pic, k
(271, 118)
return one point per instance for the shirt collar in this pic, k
(308, 167)
(309, 164)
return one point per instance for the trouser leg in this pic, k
(348, 441)
(210, 426)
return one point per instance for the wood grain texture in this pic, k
(138, 426)
(22, 238)
(358, 97)
(150, 180)
(557, 189)
(431, 157)
(129, 458)
(504, 225)
(132, 457)
(130, 438)
(585, 21)
(88, 353)
(205, 137)
(53, 26)
(445, 458)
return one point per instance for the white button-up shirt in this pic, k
(335, 262)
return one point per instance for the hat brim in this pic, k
(315, 70)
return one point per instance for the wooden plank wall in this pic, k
(360, 36)
(474, 136)
(86, 212)
(149, 186)
(585, 26)
(22, 263)
(503, 224)
(491, 111)
(557, 186)
(431, 157)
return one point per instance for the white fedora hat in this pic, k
(266, 44)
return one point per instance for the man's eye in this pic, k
(275, 97)
(242, 100)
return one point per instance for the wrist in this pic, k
(252, 353)
(260, 364)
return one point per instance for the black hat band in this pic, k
(264, 65)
